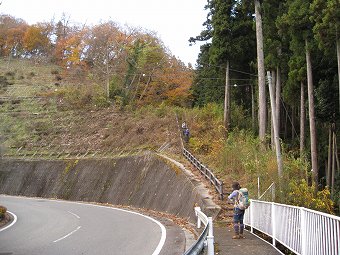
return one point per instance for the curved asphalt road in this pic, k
(61, 227)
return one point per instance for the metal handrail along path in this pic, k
(206, 172)
(206, 238)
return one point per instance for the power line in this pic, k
(234, 70)
(216, 78)
(233, 85)
(290, 119)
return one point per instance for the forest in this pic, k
(267, 75)
(294, 44)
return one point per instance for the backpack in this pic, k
(243, 201)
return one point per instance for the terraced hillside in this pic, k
(47, 113)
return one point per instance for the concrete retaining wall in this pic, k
(139, 181)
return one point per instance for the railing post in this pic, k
(221, 190)
(198, 218)
(303, 231)
(251, 208)
(273, 224)
(210, 237)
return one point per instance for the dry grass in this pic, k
(51, 125)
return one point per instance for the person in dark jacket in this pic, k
(186, 135)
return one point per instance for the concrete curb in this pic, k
(208, 205)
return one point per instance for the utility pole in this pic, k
(276, 136)
(312, 125)
(227, 100)
(261, 72)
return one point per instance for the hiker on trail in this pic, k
(184, 127)
(239, 209)
(186, 135)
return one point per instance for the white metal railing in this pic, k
(207, 236)
(303, 231)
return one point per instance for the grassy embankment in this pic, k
(59, 116)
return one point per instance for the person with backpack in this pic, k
(186, 135)
(241, 202)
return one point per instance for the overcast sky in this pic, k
(174, 21)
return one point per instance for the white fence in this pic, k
(303, 231)
(206, 238)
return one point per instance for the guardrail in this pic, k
(206, 238)
(206, 172)
(301, 230)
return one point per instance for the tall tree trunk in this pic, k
(333, 163)
(273, 122)
(227, 100)
(329, 160)
(293, 122)
(336, 154)
(107, 74)
(338, 56)
(261, 72)
(336, 158)
(276, 136)
(278, 97)
(286, 124)
(302, 120)
(314, 154)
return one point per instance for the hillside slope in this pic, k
(47, 113)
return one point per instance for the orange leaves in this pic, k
(12, 31)
(144, 69)
(174, 82)
(70, 50)
(35, 41)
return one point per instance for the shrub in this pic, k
(58, 78)
(161, 110)
(4, 82)
(11, 74)
(300, 194)
(54, 71)
(3, 211)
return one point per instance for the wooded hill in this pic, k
(132, 65)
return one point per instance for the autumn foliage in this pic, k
(131, 65)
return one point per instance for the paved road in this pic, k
(60, 227)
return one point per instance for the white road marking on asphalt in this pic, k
(67, 235)
(163, 230)
(13, 222)
(163, 237)
(75, 215)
